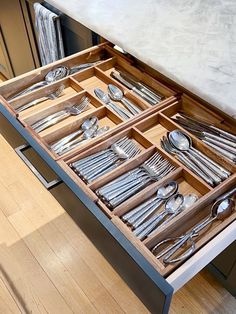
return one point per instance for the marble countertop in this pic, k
(191, 42)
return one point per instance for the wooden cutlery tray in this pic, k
(147, 134)
(75, 87)
(146, 130)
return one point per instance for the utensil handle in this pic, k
(90, 162)
(137, 209)
(121, 189)
(149, 92)
(99, 167)
(201, 165)
(51, 122)
(223, 152)
(145, 214)
(218, 138)
(189, 164)
(28, 89)
(228, 194)
(212, 169)
(118, 111)
(65, 140)
(88, 159)
(144, 96)
(224, 172)
(131, 106)
(225, 133)
(120, 199)
(144, 233)
(222, 145)
(48, 118)
(31, 104)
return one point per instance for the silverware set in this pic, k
(221, 141)
(54, 75)
(146, 218)
(56, 117)
(117, 191)
(116, 94)
(51, 96)
(94, 166)
(89, 129)
(139, 88)
(178, 143)
(179, 248)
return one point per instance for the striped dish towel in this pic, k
(49, 34)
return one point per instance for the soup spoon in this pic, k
(184, 143)
(172, 206)
(139, 214)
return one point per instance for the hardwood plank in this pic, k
(30, 286)
(7, 302)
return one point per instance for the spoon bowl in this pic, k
(164, 192)
(222, 209)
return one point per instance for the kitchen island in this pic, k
(191, 42)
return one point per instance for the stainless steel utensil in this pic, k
(183, 143)
(92, 167)
(221, 209)
(118, 190)
(87, 124)
(122, 112)
(61, 115)
(117, 94)
(57, 93)
(172, 206)
(119, 78)
(139, 214)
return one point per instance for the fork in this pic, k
(92, 167)
(61, 115)
(57, 93)
(117, 191)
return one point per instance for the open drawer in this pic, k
(145, 130)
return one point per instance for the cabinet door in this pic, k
(16, 36)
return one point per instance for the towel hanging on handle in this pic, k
(49, 34)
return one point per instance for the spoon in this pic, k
(139, 214)
(189, 200)
(122, 112)
(172, 205)
(221, 209)
(87, 124)
(184, 143)
(117, 94)
(87, 135)
(52, 76)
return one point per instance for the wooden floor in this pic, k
(49, 265)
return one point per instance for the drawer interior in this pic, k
(144, 130)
